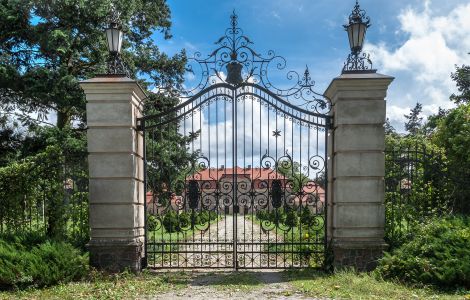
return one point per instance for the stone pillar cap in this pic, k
(371, 81)
(113, 79)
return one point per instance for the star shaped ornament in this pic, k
(276, 133)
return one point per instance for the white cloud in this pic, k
(423, 63)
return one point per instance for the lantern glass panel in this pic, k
(114, 37)
(356, 34)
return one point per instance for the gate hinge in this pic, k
(140, 125)
(330, 122)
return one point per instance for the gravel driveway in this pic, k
(214, 247)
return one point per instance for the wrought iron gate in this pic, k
(236, 173)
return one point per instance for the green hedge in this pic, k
(439, 254)
(24, 264)
(174, 222)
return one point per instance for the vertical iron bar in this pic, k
(145, 260)
(234, 179)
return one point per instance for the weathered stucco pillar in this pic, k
(357, 169)
(116, 173)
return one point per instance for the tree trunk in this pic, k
(63, 119)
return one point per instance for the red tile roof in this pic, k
(251, 173)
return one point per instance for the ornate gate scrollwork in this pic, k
(250, 192)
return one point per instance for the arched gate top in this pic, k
(234, 69)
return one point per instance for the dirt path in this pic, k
(235, 285)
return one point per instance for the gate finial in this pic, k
(234, 20)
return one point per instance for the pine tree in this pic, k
(462, 80)
(415, 122)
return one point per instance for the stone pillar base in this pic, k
(362, 257)
(116, 255)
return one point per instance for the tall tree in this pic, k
(389, 129)
(462, 80)
(10, 140)
(414, 120)
(453, 135)
(46, 47)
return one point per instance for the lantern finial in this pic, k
(114, 37)
(356, 29)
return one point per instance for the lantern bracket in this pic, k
(116, 65)
(358, 63)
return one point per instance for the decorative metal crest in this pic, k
(235, 62)
(358, 62)
(116, 65)
(358, 15)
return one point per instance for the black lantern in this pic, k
(114, 37)
(356, 29)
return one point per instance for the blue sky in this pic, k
(418, 42)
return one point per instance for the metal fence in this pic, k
(47, 195)
(417, 188)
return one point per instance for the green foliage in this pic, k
(414, 122)
(46, 47)
(33, 197)
(174, 222)
(462, 80)
(10, 139)
(416, 185)
(152, 223)
(287, 217)
(41, 265)
(307, 218)
(292, 219)
(439, 254)
(348, 284)
(103, 286)
(207, 216)
(170, 221)
(453, 134)
(291, 170)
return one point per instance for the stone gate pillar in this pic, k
(356, 147)
(116, 173)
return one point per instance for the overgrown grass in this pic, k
(102, 286)
(350, 285)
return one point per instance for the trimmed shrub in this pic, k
(151, 223)
(291, 219)
(170, 221)
(439, 254)
(43, 265)
(184, 221)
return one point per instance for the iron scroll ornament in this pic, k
(235, 57)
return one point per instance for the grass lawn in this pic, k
(308, 283)
(99, 286)
(349, 285)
